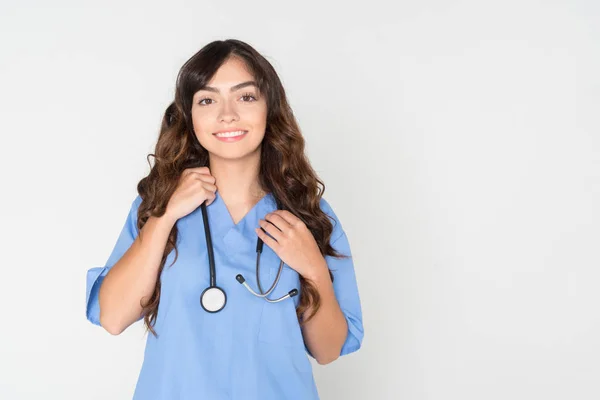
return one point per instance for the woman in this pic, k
(230, 141)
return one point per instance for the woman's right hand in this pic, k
(194, 187)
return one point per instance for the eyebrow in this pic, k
(233, 88)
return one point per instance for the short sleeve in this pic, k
(96, 275)
(344, 284)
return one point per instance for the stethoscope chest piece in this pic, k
(213, 299)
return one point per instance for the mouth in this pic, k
(230, 136)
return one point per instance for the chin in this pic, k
(238, 154)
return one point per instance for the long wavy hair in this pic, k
(284, 169)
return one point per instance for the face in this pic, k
(230, 103)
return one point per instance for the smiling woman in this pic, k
(230, 152)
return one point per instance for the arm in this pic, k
(325, 333)
(133, 277)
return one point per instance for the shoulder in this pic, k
(133, 214)
(136, 202)
(327, 208)
(134, 206)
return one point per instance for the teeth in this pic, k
(230, 134)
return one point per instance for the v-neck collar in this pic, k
(249, 213)
(223, 227)
(241, 237)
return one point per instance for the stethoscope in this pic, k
(213, 298)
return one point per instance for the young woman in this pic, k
(230, 175)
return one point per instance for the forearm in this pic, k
(133, 277)
(325, 333)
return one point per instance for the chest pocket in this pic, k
(278, 323)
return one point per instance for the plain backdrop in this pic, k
(460, 147)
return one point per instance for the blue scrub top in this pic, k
(251, 349)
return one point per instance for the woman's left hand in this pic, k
(293, 243)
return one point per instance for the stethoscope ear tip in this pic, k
(293, 292)
(240, 278)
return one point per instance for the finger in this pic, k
(278, 221)
(209, 186)
(200, 170)
(269, 241)
(288, 217)
(211, 200)
(271, 229)
(204, 177)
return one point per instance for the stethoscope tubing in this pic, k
(209, 246)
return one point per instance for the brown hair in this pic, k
(284, 170)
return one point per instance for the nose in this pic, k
(228, 113)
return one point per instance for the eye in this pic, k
(245, 95)
(249, 95)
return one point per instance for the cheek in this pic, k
(256, 117)
(201, 123)
(199, 119)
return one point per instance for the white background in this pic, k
(459, 142)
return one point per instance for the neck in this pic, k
(237, 180)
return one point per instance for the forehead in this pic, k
(232, 72)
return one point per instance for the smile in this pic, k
(230, 136)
